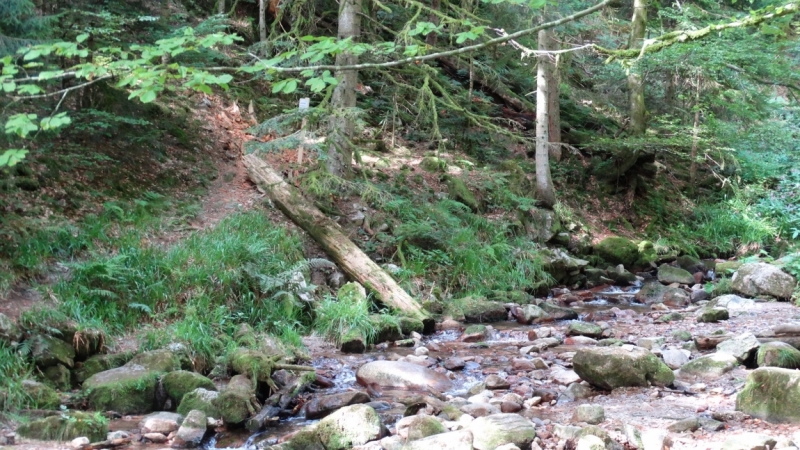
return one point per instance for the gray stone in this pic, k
(733, 302)
(591, 414)
(403, 375)
(48, 351)
(191, 431)
(590, 442)
(584, 329)
(530, 313)
(613, 367)
(740, 347)
(675, 358)
(494, 382)
(577, 391)
(687, 424)
(349, 426)
(754, 279)
(160, 422)
(454, 440)
(9, 331)
(493, 431)
(712, 315)
(749, 441)
(323, 405)
(650, 342)
(709, 366)
(668, 274)
(480, 409)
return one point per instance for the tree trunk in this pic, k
(695, 136)
(544, 182)
(635, 81)
(553, 107)
(340, 154)
(262, 20)
(220, 6)
(490, 83)
(327, 233)
(432, 38)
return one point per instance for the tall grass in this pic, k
(14, 368)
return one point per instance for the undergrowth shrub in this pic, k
(14, 368)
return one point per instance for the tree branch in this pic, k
(64, 91)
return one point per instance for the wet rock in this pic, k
(454, 440)
(691, 264)
(529, 313)
(48, 351)
(712, 315)
(65, 427)
(98, 363)
(155, 438)
(539, 345)
(420, 427)
(698, 295)
(687, 424)
(671, 317)
(749, 441)
(163, 360)
(305, 439)
(590, 443)
(180, 382)
(522, 365)
(410, 325)
(591, 414)
(160, 422)
(709, 366)
(199, 399)
(620, 276)
(130, 389)
(454, 363)
(651, 342)
(493, 431)
(237, 401)
(654, 292)
(740, 347)
(613, 367)
(557, 312)
(323, 405)
(564, 377)
(584, 329)
(396, 374)
(191, 431)
(682, 335)
(675, 358)
(42, 395)
(778, 354)
(9, 331)
(479, 409)
(617, 250)
(349, 426)
(578, 391)
(494, 382)
(668, 274)
(474, 333)
(771, 393)
(59, 376)
(755, 279)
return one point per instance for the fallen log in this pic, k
(327, 233)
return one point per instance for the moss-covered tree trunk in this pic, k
(635, 80)
(695, 136)
(544, 182)
(221, 7)
(327, 233)
(553, 106)
(340, 153)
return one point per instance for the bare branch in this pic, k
(63, 91)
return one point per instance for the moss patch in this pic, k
(617, 250)
(178, 383)
(772, 394)
(42, 396)
(778, 354)
(235, 403)
(126, 390)
(65, 427)
(99, 363)
(201, 400)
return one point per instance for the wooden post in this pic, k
(327, 233)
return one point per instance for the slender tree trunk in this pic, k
(262, 20)
(635, 81)
(553, 107)
(220, 6)
(544, 182)
(434, 19)
(695, 135)
(340, 154)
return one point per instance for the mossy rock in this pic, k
(772, 394)
(352, 292)
(433, 164)
(386, 328)
(126, 390)
(163, 360)
(613, 367)
(98, 363)
(682, 335)
(48, 351)
(353, 341)
(66, 427)
(459, 191)
(617, 250)
(778, 354)
(555, 312)
(245, 336)
(306, 439)
(728, 267)
(709, 366)
(253, 364)
(712, 315)
(671, 317)
(42, 396)
(10, 332)
(180, 382)
(480, 310)
(668, 274)
(200, 399)
(58, 376)
(647, 254)
(237, 401)
(691, 264)
(610, 342)
(410, 325)
(451, 412)
(349, 427)
(424, 426)
(588, 329)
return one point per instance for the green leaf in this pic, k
(291, 86)
(21, 124)
(316, 84)
(33, 54)
(12, 156)
(148, 96)
(9, 87)
(57, 121)
(82, 37)
(278, 87)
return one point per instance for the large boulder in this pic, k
(778, 354)
(612, 367)
(617, 250)
(589, 329)
(542, 224)
(58, 376)
(191, 431)
(529, 313)
(771, 393)
(349, 427)
(454, 440)
(555, 312)
(323, 405)
(9, 331)
(42, 396)
(98, 363)
(180, 382)
(237, 401)
(401, 375)
(126, 390)
(668, 274)
(741, 347)
(48, 351)
(163, 360)
(495, 430)
(691, 264)
(66, 427)
(655, 292)
(754, 279)
(709, 366)
(160, 422)
(560, 264)
(202, 400)
(480, 310)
